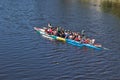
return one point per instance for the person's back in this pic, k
(63, 35)
(66, 35)
(92, 41)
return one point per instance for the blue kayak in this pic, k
(75, 43)
(78, 44)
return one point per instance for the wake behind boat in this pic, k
(73, 38)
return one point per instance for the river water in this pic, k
(25, 55)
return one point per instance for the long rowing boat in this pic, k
(69, 41)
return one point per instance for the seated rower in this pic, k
(87, 41)
(92, 41)
(67, 34)
(49, 31)
(76, 38)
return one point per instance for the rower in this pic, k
(92, 41)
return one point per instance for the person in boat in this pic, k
(70, 35)
(57, 31)
(83, 34)
(92, 41)
(78, 37)
(62, 34)
(49, 25)
(50, 31)
(87, 41)
(83, 37)
(67, 34)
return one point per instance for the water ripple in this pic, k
(25, 55)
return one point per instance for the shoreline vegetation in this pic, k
(109, 6)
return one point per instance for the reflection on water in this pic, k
(112, 7)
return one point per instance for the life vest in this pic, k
(76, 39)
(50, 30)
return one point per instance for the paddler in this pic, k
(49, 30)
(92, 41)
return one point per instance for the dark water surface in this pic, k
(25, 55)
